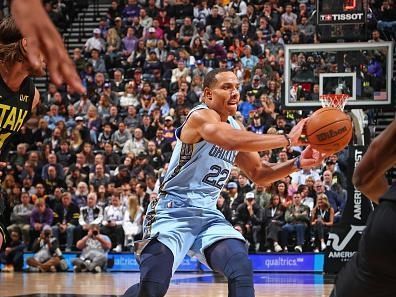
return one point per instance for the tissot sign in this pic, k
(356, 17)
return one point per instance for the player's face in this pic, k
(224, 96)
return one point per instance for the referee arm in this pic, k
(369, 175)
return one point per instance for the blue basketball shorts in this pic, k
(184, 229)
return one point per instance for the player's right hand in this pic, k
(43, 37)
(296, 135)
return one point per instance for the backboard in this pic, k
(361, 70)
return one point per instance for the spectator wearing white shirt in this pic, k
(112, 223)
(95, 42)
(133, 220)
(130, 96)
(299, 177)
(137, 144)
(305, 199)
(90, 214)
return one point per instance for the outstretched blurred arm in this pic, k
(369, 175)
(43, 37)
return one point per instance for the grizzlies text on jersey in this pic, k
(198, 172)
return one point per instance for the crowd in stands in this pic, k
(83, 170)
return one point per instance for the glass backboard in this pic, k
(361, 70)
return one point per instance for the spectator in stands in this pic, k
(145, 20)
(223, 204)
(187, 31)
(74, 177)
(239, 6)
(305, 199)
(306, 30)
(113, 12)
(53, 180)
(235, 198)
(249, 215)
(97, 61)
(288, 20)
(248, 60)
(40, 194)
(135, 145)
(297, 218)
(375, 37)
(274, 219)
(95, 42)
(143, 196)
(81, 107)
(130, 96)
(47, 255)
(335, 201)
(387, 17)
(12, 256)
(130, 11)
(81, 195)
(281, 189)
(299, 177)
(113, 218)
(41, 217)
(133, 220)
(20, 217)
(90, 214)
(65, 156)
(95, 247)
(66, 217)
(129, 42)
(120, 137)
(99, 177)
(261, 195)
(322, 220)
(112, 159)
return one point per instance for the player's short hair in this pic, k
(210, 78)
(11, 48)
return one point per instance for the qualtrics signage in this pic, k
(341, 18)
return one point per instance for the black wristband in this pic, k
(288, 140)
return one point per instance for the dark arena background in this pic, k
(97, 157)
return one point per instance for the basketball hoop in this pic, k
(334, 100)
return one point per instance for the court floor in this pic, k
(182, 285)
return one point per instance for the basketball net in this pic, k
(334, 100)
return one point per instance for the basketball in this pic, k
(329, 130)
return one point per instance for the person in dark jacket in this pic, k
(274, 218)
(223, 204)
(12, 257)
(249, 214)
(66, 217)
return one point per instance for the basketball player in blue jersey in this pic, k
(371, 270)
(18, 95)
(184, 218)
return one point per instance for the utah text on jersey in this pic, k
(11, 120)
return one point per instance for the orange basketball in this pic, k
(329, 130)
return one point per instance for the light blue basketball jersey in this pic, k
(198, 172)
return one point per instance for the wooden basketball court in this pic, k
(182, 285)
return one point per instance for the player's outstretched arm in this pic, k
(369, 175)
(206, 124)
(42, 36)
(265, 174)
